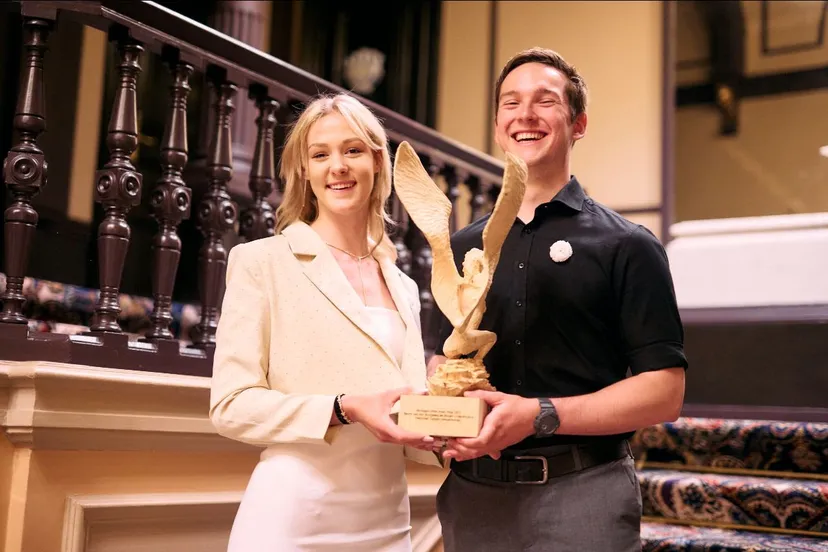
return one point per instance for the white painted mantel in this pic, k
(63, 423)
(71, 407)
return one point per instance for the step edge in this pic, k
(735, 527)
(644, 465)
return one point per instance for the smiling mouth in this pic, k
(340, 186)
(528, 137)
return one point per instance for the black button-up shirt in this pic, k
(576, 326)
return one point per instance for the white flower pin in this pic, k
(560, 251)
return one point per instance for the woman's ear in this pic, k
(377, 161)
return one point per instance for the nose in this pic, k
(338, 164)
(526, 112)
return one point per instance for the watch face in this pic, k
(547, 423)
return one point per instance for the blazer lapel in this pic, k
(321, 268)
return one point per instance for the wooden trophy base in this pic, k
(441, 416)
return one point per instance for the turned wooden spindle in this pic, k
(217, 215)
(493, 192)
(399, 232)
(453, 180)
(24, 169)
(171, 200)
(259, 220)
(421, 261)
(478, 197)
(434, 169)
(117, 188)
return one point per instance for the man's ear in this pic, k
(495, 134)
(579, 127)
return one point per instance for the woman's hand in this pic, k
(374, 412)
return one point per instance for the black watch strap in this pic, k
(547, 421)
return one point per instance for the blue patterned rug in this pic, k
(799, 505)
(793, 447)
(658, 537)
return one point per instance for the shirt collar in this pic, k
(572, 195)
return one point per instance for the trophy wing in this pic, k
(430, 209)
(505, 210)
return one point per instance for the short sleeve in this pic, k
(649, 317)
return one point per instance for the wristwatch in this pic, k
(547, 422)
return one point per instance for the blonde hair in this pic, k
(298, 200)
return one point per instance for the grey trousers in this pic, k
(594, 510)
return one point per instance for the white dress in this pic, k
(321, 501)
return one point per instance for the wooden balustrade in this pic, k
(118, 188)
(217, 213)
(230, 69)
(25, 168)
(171, 200)
(259, 220)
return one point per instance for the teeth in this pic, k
(340, 186)
(520, 136)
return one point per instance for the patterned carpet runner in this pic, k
(712, 485)
(659, 537)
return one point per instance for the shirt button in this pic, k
(521, 265)
(518, 303)
(519, 382)
(517, 341)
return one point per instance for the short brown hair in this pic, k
(576, 89)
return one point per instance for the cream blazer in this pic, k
(293, 334)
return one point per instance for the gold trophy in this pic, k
(444, 411)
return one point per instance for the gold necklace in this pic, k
(359, 260)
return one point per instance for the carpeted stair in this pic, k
(733, 485)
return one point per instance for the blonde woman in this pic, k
(319, 336)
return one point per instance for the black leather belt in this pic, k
(539, 466)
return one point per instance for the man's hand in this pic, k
(510, 420)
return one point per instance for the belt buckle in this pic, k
(544, 462)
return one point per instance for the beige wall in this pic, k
(772, 166)
(462, 87)
(789, 23)
(88, 112)
(619, 161)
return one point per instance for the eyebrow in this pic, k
(538, 91)
(348, 141)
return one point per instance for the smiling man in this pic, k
(589, 346)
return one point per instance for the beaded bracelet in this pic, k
(340, 414)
